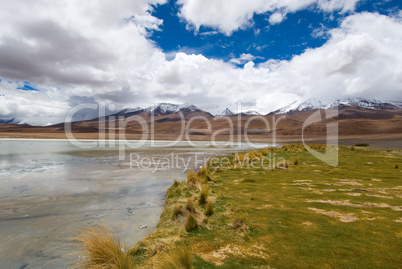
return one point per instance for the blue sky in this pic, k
(214, 54)
(264, 41)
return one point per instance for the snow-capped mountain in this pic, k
(312, 104)
(253, 112)
(167, 108)
(130, 110)
(366, 103)
(164, 108)
(285, 109)
(161, 108)
(226, 112)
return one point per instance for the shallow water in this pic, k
(50, 190)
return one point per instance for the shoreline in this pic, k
(211, 247)
(383, 141)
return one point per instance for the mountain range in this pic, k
(355, 118)
(310, 104)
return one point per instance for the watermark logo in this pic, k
(331, 139)
(223, 131)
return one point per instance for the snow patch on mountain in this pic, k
(253, 112)
(312, 104)
(130, 110)
(365, 103)
(295, 106)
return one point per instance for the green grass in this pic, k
(309, 215)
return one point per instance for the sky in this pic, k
(266, 54)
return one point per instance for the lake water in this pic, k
(51, 189)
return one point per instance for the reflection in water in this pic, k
(50, 190)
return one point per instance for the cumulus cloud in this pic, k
(362, 58)
(90, 48)
(244, 58)
(35, 107)
(87, 52)
(229, 16)
(276, 18)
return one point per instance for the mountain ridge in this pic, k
(309, 104)
(312, 103)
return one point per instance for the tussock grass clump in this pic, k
(173, 190)
(190, 205)
(282, 165)
(203, 175)
(209, 209)
(296, 161)
(241, 158)
(254, 155)
(178, 258)
(191, 176)
(396, 166)
(240, 222)
(192, 180)
(217, 169)
(191, 223)
(202, 200)
(362, 145)
(264, 152)
(176, 212)
(293, 147)
(316, 147)
(102, 249)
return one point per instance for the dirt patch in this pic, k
(329, 190)
(264, 206)
(318, 192)
(380, 196)
(219, 255)
(347, 183)
(347, 203)
(334, 214)
(345, 180)
(354, 194)
(302, 183)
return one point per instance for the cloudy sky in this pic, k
(55, 55)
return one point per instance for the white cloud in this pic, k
(34, 107)
(342, 5)
(244, 58)
(276, 18)
(90, 49)
(93, 54)
(229, 16)
(362, 58)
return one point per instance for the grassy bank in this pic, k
(282, 208)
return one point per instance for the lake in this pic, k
(51, 189)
